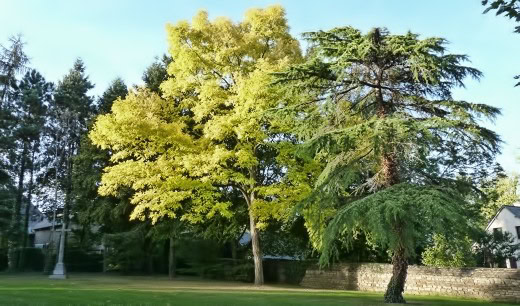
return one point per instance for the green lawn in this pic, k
(95, 289)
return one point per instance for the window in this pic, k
(496, 230)
(518, 232)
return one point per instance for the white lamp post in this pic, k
(59, 271)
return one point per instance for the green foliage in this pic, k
(208, 134)
(222, 229)
(238, 146)
(125, 251)
(398, 217)
(499, 192)
(80, 259)
(90, 207)
(286, 271)
(69, 117)
(209, 131)
(13, 60)
(72, 94)
(33, 259)
(7, 197)
(286, 239)
(117, 89)
(510, 9)
(382, 113)
(450, 254)
(493, 249)
(156, 74)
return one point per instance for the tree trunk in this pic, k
(233, 250)
(14, 239)
(105, 262)
(395, 289)
(49, 259)
(171, 260)
(25, 243)
(255, 242)
(390, 171)
(249, 196)
(148, 264)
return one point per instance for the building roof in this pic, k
(45, 223)
(514, 209)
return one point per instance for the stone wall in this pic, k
(483, 283)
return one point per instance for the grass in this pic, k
(95, 289)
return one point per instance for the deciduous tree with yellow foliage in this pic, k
(212, 130)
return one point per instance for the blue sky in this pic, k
(120, 38)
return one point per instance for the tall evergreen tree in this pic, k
(156, 74)
(116, 89)
(394, 139)
(13, 60)
(34, 94)
(90, 207)
(70, 114)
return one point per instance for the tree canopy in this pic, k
(387, 118)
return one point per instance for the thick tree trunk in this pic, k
(395, 289)
(14, 239)
(257, 252)
(390, 177)
(390, 171)
(389, 161)
(249, 196)
(171, 260)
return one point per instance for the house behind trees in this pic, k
(507, 220)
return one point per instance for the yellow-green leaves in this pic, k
(145, 135)
(210, 131)
(224, 72)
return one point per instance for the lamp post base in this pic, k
(59, 272)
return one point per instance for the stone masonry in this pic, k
(482, 283)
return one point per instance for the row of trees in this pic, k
(360, 135)
(358, 141)
(42, 125)
(49, 163)
(45, 158)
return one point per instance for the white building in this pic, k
(507, 219)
